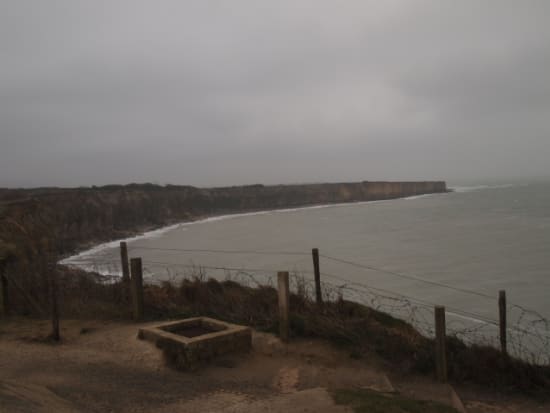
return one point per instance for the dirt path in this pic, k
(103, 367)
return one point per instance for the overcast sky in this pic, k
(212, 93)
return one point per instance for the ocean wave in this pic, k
(479, 187)
(74, 259)
(409, 198)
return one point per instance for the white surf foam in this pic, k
(82, 256)
(409, 198)
(479, 187)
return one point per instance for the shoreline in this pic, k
(159, 231)
(76, 220)
(154, 231)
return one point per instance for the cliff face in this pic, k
(72, 218)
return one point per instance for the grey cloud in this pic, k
(216, 93)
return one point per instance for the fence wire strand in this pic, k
(528, 334)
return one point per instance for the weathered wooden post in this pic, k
(284, 304)
(126, 293)
(52, 275)
(4, 295)
(440, 347)
(137, 288)
(317, 271)
(124, 263)
(502, 320)
(7, 254)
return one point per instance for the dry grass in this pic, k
(357, 328)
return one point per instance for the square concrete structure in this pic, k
(190, 342)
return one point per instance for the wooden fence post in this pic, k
(284, 303)
(124, 262)
(137, 288)
(126, 293)
(502, 320)
(440, 347)
(52, 275)
(4, 295)
(317, 271)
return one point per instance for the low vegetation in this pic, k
(358, 329)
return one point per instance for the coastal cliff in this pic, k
(77, 217)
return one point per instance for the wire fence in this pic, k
(528, 332)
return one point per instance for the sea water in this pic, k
(456, 249)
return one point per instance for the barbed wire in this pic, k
(97, 263)
(220, 251)
(528, 335)
(471, 328)
(328, 257)
(409, 277)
